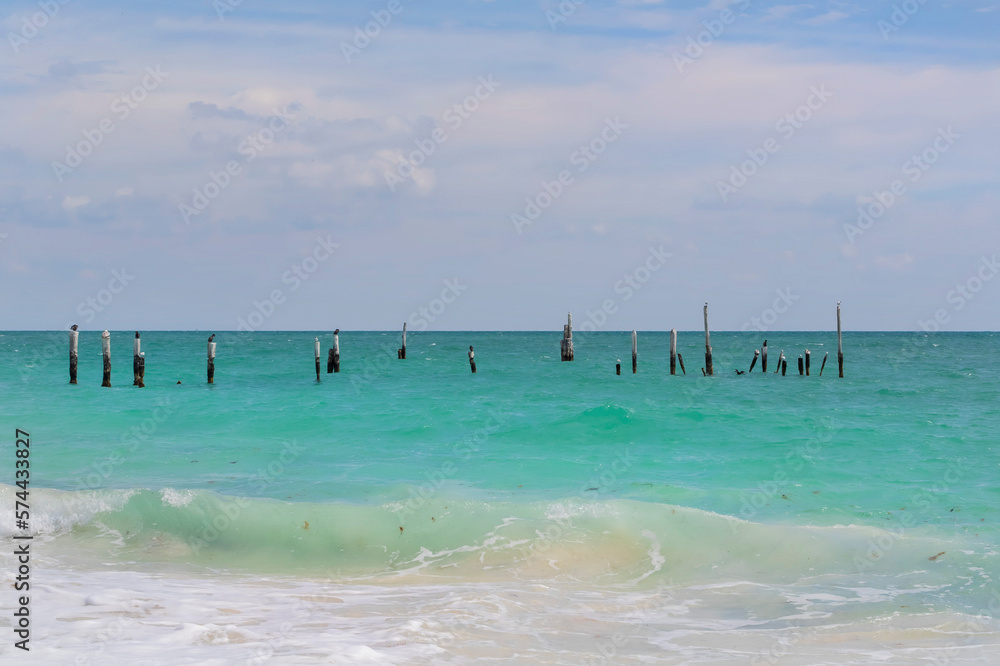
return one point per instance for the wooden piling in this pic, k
(333, 357)
(784, 365)
(211, 359)
(317, 351)
(708, 345)
(472, 359)
(801, 366)
(402, 350)
(618, 367)
(763, 358)
(136, 348)
(566, 346)
(840, 344)
(808, 357)
(635, 352)
(680, 359)
(74, 338)
(106, 352)
(756, 355)
(673, 351)
(823, 365)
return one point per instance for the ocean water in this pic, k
(410, 512)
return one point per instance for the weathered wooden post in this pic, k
(566, 346)
(784, 365)
(673, 351)
(472, 359)
(840, 344)
(756, 355)
(763, 358)
(618, 367)
(680, 359)
(781, 356)
(402, 350)
(106, 352)
(74, 338)
(136, 348)
(708, 345)
(635, 352)
(807, 362)
(211, 359)
(800, 365)
(333, 356)
(823, 365)
(317, 351)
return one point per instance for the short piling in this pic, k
(784, 366)
(472, 359)
(756, 355)
(680, 359)
(106, 353)
(823, 365)
(673, 351)
(801, 365)
(808, 358)
(136, 350)
(635, 352)
(781, 357)
(402, 350)
(708, 345)
(317, 351)
(840, 344)
(566, 346)
(74, 338)
(618, 367)
(763, 358)
(211, 359)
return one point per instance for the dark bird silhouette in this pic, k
(73, 327)
(211, 337)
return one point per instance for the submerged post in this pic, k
(106, 352)
(472, 359)
(333, 356)
(807, 362)
(211, 359)
(316, 352)
(74, 337)
(763, 358)
(673, 351)
(823, 365)
(635, 352)
(402, 350)
(708, 345)
(840, 343)
(680, 359)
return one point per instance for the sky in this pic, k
(492, 165)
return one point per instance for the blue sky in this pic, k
(185, 165)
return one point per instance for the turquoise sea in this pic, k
(411, 512)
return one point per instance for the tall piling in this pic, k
(566, 346)
(106, 353)
(708, 346)
(635, 352)
(763, 358)
(808, 358)
(317, 352)
(333, 356)
(673, 351)
(840, 344)
(401, 354)
(136, 348)
(211, 359)
(74, 338)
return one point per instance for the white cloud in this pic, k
(69, 203)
